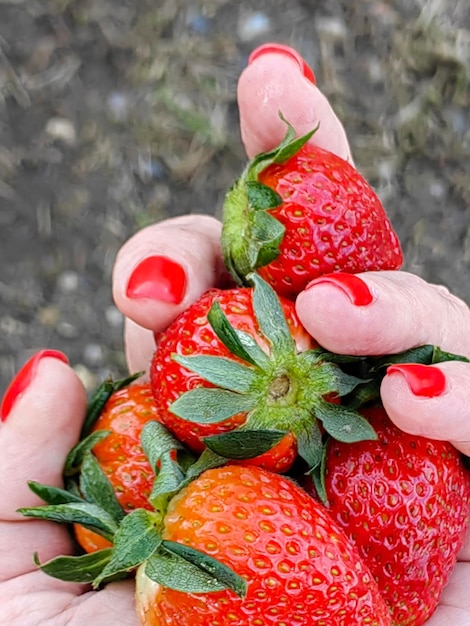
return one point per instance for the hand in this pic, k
(41, 427)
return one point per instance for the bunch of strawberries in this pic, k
(256, 480)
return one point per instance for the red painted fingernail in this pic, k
(158, 278)
(278, 48)
(23, 379)
(350, 284)
(423, 380)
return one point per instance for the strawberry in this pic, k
(120, 454)
(298, 212)
(238, 373)
(404, 501)
(299, 567)
(219, 544)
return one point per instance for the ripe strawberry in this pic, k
(220, 544)
(299, 567)
(120, 454)
(404, 501)
(298, 212)
(237, 372)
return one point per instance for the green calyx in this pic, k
(88, 499)
(251, 236)
(281, 392)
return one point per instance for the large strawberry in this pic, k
(237, 372)
(299, 567)
(119, 452)
(219, 545)
(298, 212)
(405, 502)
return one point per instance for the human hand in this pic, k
(405, 310)
(40, 427)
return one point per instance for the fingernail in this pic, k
(354, 287)
(423, 380)
(23, 379)
(277, 48)
(158, 278)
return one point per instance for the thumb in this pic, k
(42, 413)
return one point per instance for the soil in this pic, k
(117, 113)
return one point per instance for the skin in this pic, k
(41, 428)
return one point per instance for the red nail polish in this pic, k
(23, 379)
(423, 380)
(158, 278)
(350, 284)
(278, 48)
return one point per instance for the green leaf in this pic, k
(53, 495)
(343, 424)
(207, 460)
(345, 383)
(317, 474)
(243, 444)
(77, 453)
(210, 405)
(77, 569)
(268, 233)
(157, 441)
(440, 356)
(363, 394)
(96, 488)
(169, 481)
(426, 355)
(253, 348)
(332, 357)
(185, 569)
(270, 316)
(310, 445)
(89, 515)
(137, 538)
(227, 334)
(261, 197)
(100, 397)
(220, 371)
(289, 146)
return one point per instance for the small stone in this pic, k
(93, 354)
(118, 106)
(253, 25)
(67, 330)
(89, 380)
(114, 317)
(49, 316)
(67, 281)
(62, 129)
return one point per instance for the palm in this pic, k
(51, 602)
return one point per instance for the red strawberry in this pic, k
(220, 544)
(239, 360)
(120, 453)
(299, 567)
(404, 501)
(298, 212)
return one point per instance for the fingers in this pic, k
(276, 82)
(389, 312)
(165, 267)
(43, 424)
(139, 345)
(444, 416)
(45, 412)
(383, 313)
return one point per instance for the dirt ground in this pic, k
(117, 113)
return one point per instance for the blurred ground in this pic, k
(116, 113)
